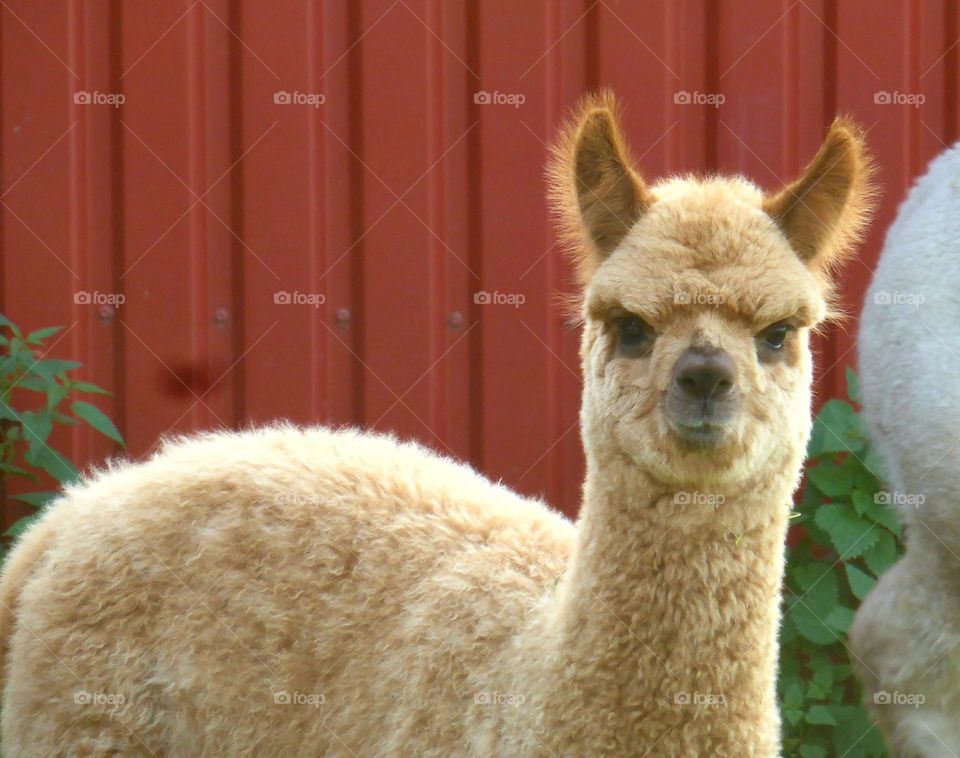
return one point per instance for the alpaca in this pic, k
(906, 635)
(291, 591)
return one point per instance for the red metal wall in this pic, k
(399, 197)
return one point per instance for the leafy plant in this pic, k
(844, 537)
(37, 394)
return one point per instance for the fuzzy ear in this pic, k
(596, 193)
(824, 212)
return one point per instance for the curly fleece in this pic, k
(291, 591)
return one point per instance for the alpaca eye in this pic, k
(774, 337)
(634, 334)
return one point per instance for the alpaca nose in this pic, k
(704, 374)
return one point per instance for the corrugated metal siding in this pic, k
(399, 197)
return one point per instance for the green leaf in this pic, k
(820, 714)
(37, 499)
(853, 385)
(850, 534)
(839, 619)
(812, 751)
(882, 514)
(855, 734)
(37, 426)
(837, 429)
(97, 419)
(882, 555)
(53, 462)
(93, 389)
(4, 321)
(810, 626)
(37, 337)
(860, 581)
(21, 525)
(54, 367)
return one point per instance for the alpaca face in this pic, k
(696, 355)
(698, 300)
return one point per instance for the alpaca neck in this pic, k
(669, 612)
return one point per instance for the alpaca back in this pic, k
(297, 590)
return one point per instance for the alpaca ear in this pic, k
(596, 193)
(823, 213)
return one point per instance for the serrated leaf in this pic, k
(97, 419)
(881, 555)
(850, 534)
(860, 581)
(836, 429)
(810, 626)
(839, 619)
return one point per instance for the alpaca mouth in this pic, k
(702, 435)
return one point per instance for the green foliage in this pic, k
(844, 538)
(34, 391)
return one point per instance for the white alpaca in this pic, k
(906, 637)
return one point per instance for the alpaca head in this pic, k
(698, 297)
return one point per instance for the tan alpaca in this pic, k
(311, 592)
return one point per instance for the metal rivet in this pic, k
(220, 316)
(342, 317)
(455, 320)
(107, 313)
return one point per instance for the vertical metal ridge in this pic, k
(316, 142)
(711, 122)
(437, 287)
(790, 125)
(554, 395)
(951, 82)
(238, 321)
(199, 266)
(117, 201)
(912, 31)
(474, 220)
(357, 188)
(80, 338)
